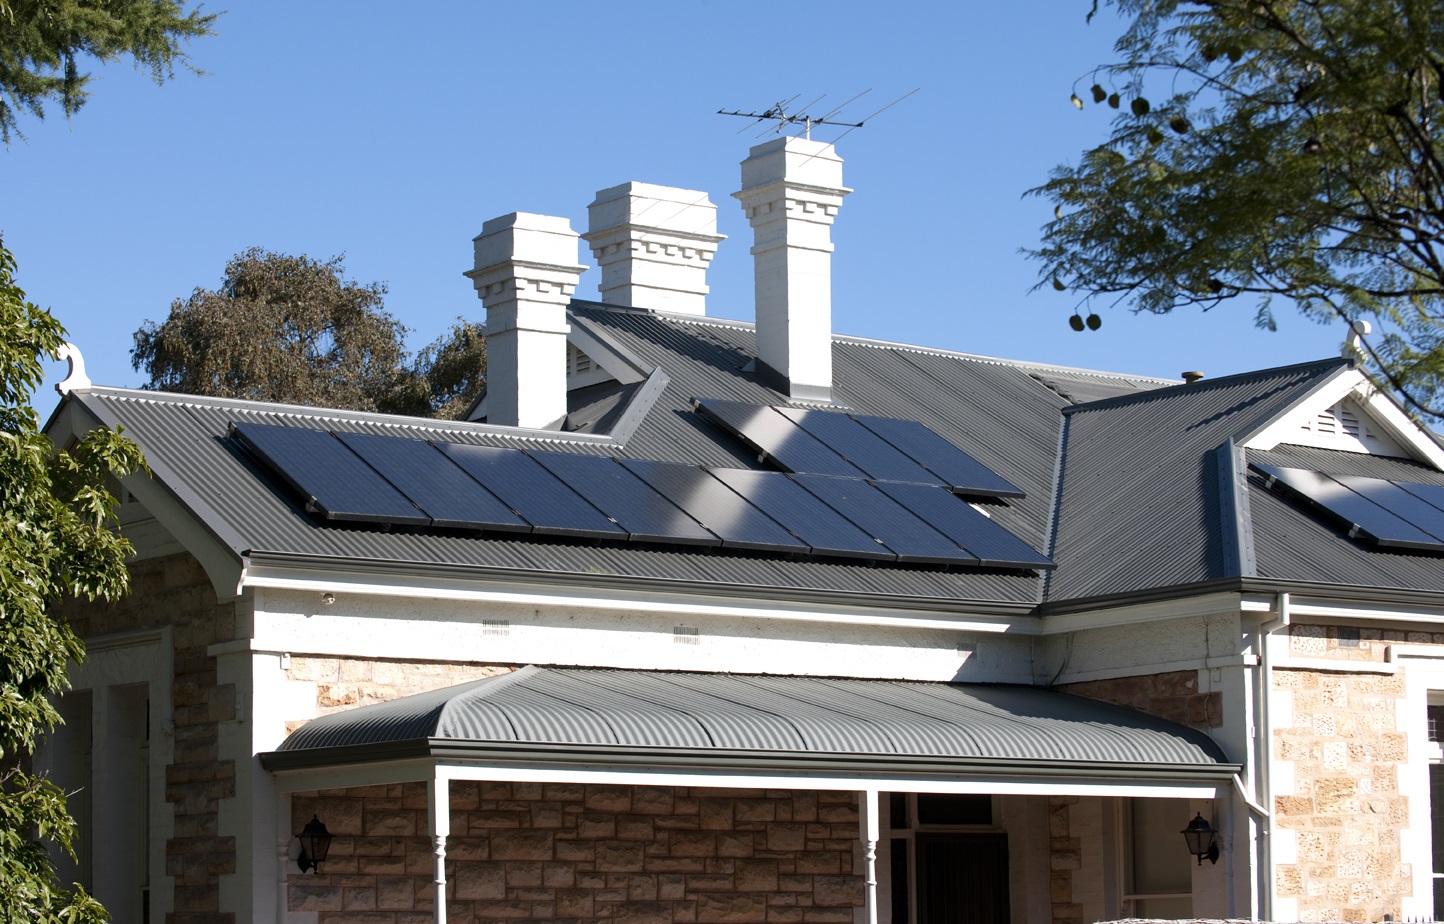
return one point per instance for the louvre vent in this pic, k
(1344, 427)
(495, 627)
(578, 362)
(686, 635)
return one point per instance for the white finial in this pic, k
(1353, 346)
(77, 380)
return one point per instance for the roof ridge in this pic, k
(323, 414)
(1205, 384)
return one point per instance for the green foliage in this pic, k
(295, 330)
(42, 43)
(55, 543)
(1270, 148)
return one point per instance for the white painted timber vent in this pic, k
(582, 370)
(686, 635)
(1344, 427)
(496, 627)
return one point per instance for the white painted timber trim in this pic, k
(407, 771)
(1160, 667)
(443, 587)
(1429, 652)
(1337, 666)
(1348, 612)
(1384, 412)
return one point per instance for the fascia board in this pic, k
(628, 594)
(1104, 617)
(193, 522)
(461, 760)
(1380, 406)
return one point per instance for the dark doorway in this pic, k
(962, 878)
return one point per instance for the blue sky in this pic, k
(390, 132)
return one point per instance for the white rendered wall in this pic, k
(366, 626)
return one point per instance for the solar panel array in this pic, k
(396, 481)
(805, 440)
(1391, 514)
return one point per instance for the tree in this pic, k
(295, 330)
(43, 41)
(1266, 149)
(55, 542)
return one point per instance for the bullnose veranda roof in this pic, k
(591, 711)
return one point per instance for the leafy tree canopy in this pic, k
(295, 330)
(1265, 149)
(56, 509)
(42, 44)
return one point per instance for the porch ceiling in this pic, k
(619, 717)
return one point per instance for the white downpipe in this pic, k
(283, 856)
(439, 805)
(870, 833)
(1263, 759)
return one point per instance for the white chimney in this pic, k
(791, 190)
(653, 244)
(525, 272)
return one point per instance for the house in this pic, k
(704, 620)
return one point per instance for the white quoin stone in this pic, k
(653, 244)
(525, 272)
(791, 191)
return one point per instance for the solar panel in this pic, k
(860, 446)
(1361, 514)
(1432, 494)
(541, 498)
(1398, 500)
(877, 514)
(825, 530)
(716, 506)
(646, 515)
(433, 481)
(788, 445)
(965, 474)
(334, 480)
(955, 518)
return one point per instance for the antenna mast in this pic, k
(779, 113)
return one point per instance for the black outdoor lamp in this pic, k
(1200, 837)
(315, 844)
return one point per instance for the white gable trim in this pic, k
(1384, 414)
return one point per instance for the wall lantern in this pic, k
(315, 844)
(1200, 838)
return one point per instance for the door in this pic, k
(962, 878)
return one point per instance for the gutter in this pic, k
(714, 760)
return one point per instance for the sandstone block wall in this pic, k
(574, 853)
(175, 591)
(1346, 751)
(1174, 696)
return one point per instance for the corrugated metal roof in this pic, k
(1293, 543)
(1138, 504)
(671, 710)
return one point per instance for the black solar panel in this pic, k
(878, 514)
(965, 474)
(1384, 526)
(434, 482)
(860, 446)
(334, 480)
(1398, 500)
(788, 445)
(716, 506)
(646, 515)
(825, 530)
(955, 518)
(541, 498)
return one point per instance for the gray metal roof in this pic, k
(1122, 492)
(1139, 500)
(588, 707)
(1292, 543)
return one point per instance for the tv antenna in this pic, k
(784, 115)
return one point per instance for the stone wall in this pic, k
(1345, 807)
(175, 591)
(573, 853)
(1174, 696)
